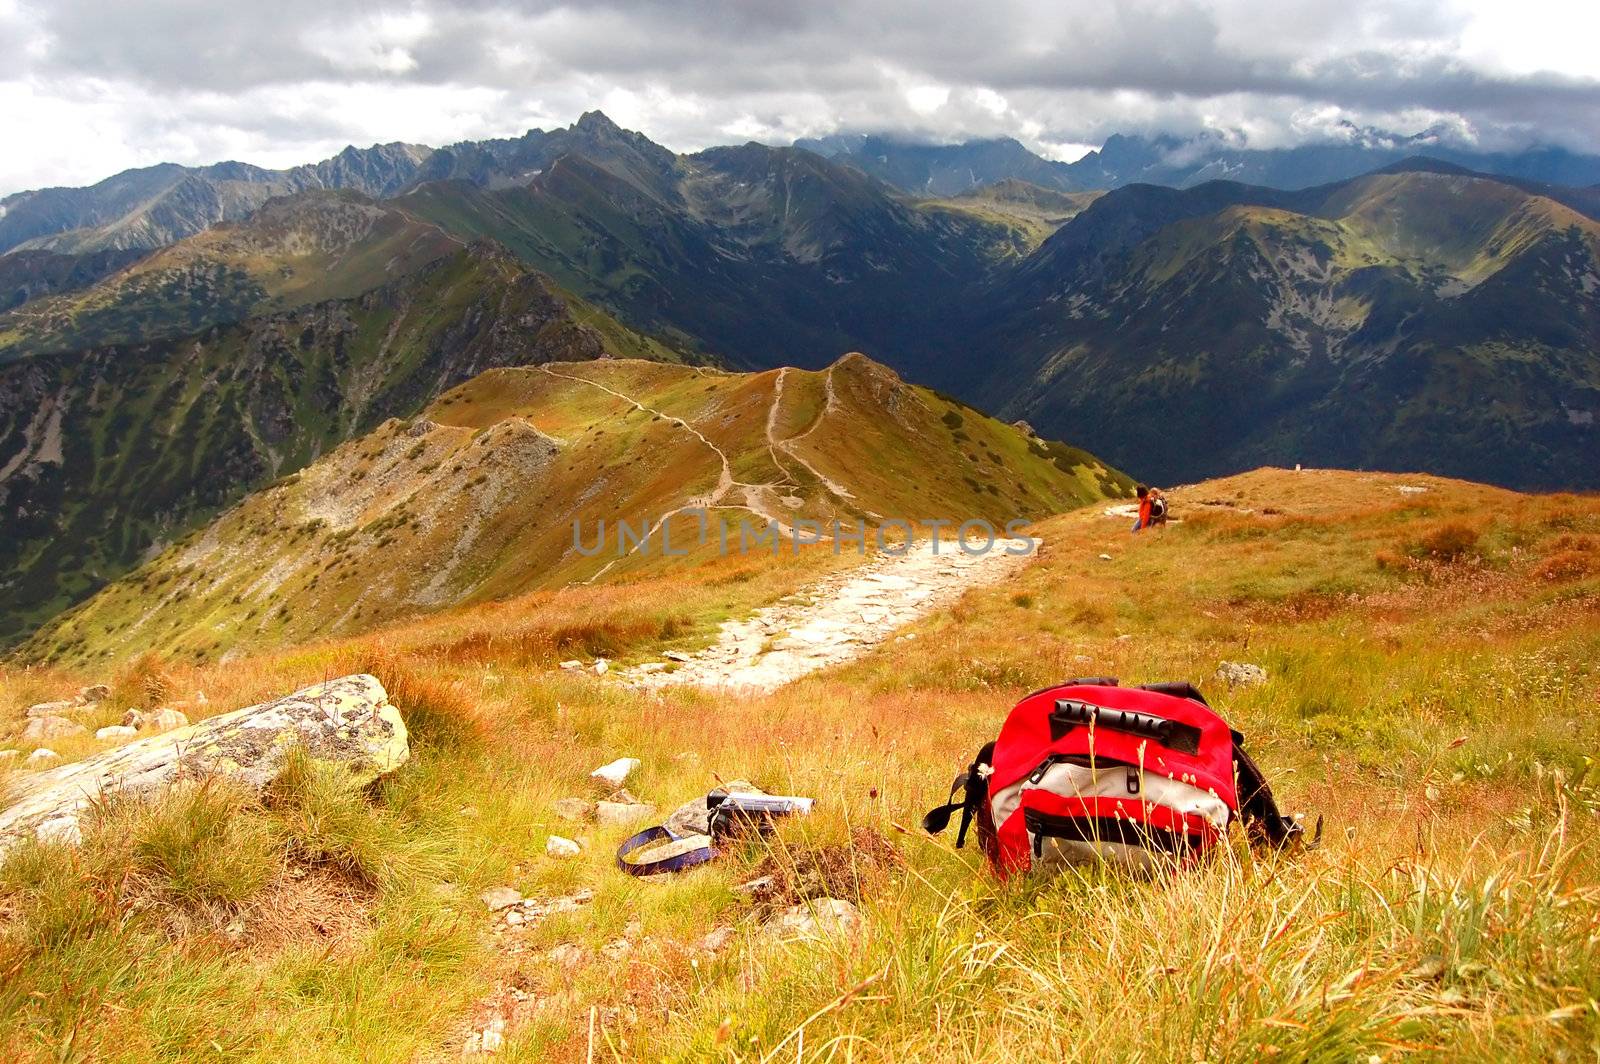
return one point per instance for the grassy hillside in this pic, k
(294, 251)
(1401, 320)
(1431, 694)
(1027, 213)
(111, 453)
(476, 499)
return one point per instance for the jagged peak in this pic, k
(596, 122)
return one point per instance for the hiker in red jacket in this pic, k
(1152, 508)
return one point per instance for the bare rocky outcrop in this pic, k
(348, 722)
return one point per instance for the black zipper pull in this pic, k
(1044, 766)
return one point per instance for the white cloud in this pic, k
(87, 88)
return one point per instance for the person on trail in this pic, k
(1152, 508)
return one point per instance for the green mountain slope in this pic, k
(293, 251)
(1417, 319)
(108, 452)
(764, 256)
(477, 498)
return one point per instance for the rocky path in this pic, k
(833, 620)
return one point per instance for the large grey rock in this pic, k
(116, 731)
(41, 728)
(348, 722)
(48, 709)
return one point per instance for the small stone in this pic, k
(650, 667)
(491, 1041)
(556, 846)
(1241, 674)
(515, 918)
(116, 731)
(576, 810)
(816, 920)
(42, 756)
(634, 931)
(615, 951)
(567, 955)
(1105, 557)
(601, 666)
(716, 939)
(617, 771)
(95, 693)
(133, 719)
(165, 720)
(573, 664)
(497, 898)
(48, 709)
(51, 728)
(622, 814)
(625, 796)
(675, 655)
(758, 887)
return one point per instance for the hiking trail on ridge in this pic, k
(836, 619)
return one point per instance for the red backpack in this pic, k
(1092, 771)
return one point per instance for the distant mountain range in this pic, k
(949, 169)
(1420, 317)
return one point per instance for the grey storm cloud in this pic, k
(189, 77)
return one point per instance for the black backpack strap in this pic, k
(974, 787)
(1258, 808)
(1177, 690)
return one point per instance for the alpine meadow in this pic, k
(1044, 532)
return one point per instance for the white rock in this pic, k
(49, 709)
(1241, 674)
(615, 951)
(601, 666)
(1105, 557)
(622, 814)
(497, 898)
(163, 720)
(116, 731)
(573, 664)
(675, 655)
(62, 829)
(556, 846)
(51, 728)
(491, 1042)
(1411, 489)
(616, 771)
(815, 920)
(42, 756)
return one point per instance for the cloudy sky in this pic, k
(89, 87)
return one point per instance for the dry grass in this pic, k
(1439, 713)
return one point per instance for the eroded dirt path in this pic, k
(834, 620)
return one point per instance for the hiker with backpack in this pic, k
(1152, 507)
